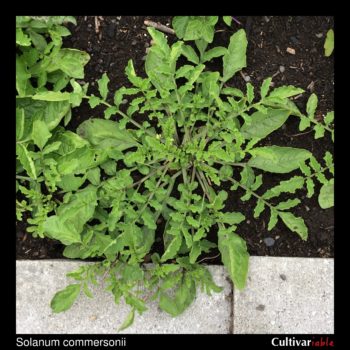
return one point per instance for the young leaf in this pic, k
(265, 87)
(328, 119)
(65, 298)
(319, 131)
(250, 92)
(103, 86)
(276, 159)
(326, 196)
(329, 43)
(311, 106)
(304, 123)
(295, 224)
(234, 256)
(235, 58)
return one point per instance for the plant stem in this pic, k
(250, 191)
(148, 176)
(124, 115)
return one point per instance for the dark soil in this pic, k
(122, 38)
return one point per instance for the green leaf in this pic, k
(195, 27)
(329, 118)
(319, 131)
(278, 159)
(184, 296)
(287, 186)
(26, 160)
(103, 86)
(93, 175)
(65, 298)
(260, 125)
(311, 106)
(213, 53)
(227, 20)
(148, 219)
(304, 123)
(265, 87)
(310, 186)
(51, 96)
(23, 85)
(71, 217)
(40, 133)
(273, 219)
(290, 203)
(128, 321)
(172, 248)
(58, 229)
(235, 58)
(285, 91)
(94, 101)
(329, 43)
(295, 224)
(259, 208)
(232, 218)
(50, 112)
(21, 38)
(190, 54)
(326, 196)
(234, 256)
(250, 92)
(106, 133)
(20, 123)
(195, 252)
(247, 176)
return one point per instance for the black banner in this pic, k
(146, 341)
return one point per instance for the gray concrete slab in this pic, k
(37, 282)
(286, 295)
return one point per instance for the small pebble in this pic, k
(248, 222)
(283, 277)
(278, 49)
(260, 307)
(290, 50)
(307, 208)
(277, 237)
(269, 241)
(247, 78)
(134, 42)
(282, 69)
(319, 35)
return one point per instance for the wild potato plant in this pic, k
(120, 178)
